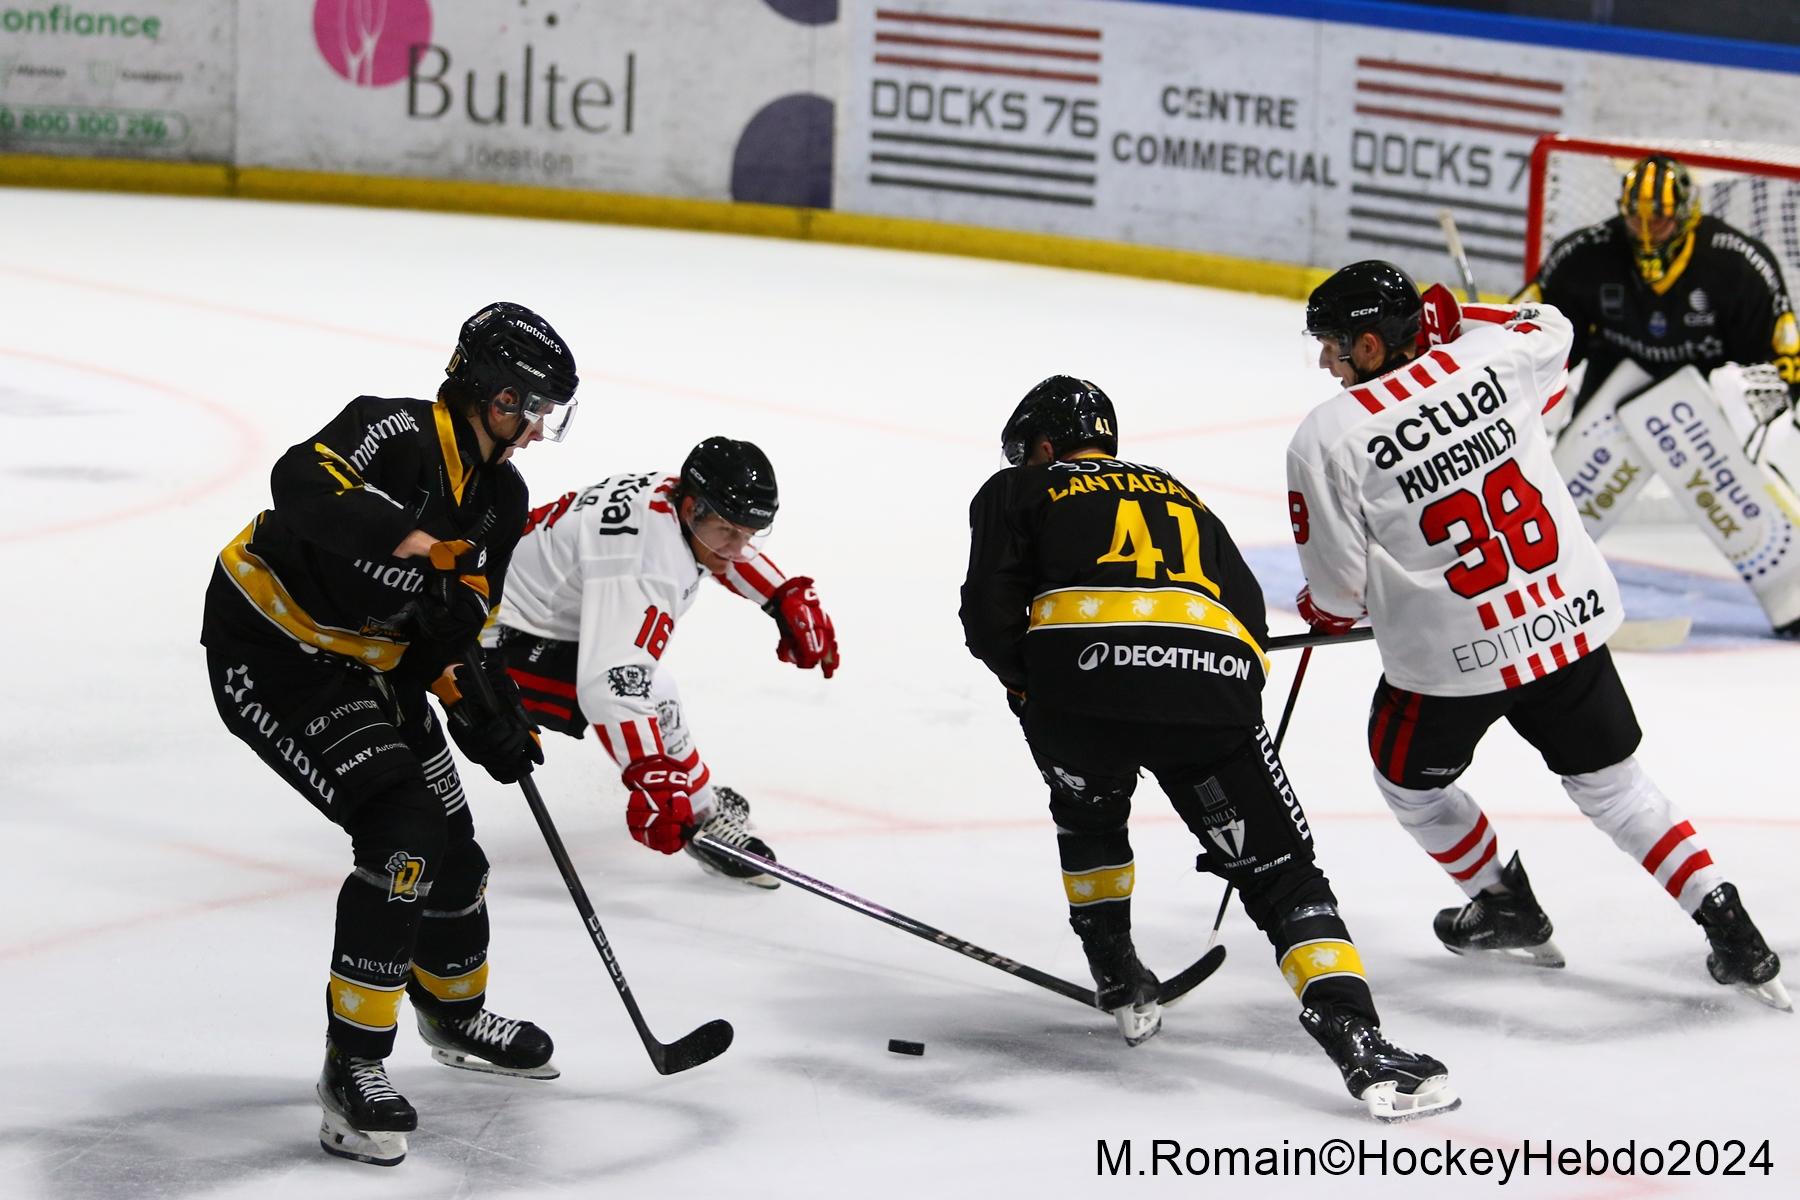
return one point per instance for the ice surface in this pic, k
(168, 903)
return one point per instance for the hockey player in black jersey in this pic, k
(1673, 310)
(328, 619)
(1128, 631)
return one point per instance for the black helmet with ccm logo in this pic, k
(1369, 295)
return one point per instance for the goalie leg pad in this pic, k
(1604, 469)
(1747, 513)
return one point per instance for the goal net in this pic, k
(1575, 182)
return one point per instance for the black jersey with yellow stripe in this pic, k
(1107, 587)
(1722, 300)
(318, 568)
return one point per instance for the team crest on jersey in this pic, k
(632, 681)
(404, 872)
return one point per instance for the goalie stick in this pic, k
(1171, 990)
(691, 1049)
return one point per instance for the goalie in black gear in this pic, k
(327, 620)
(1127, 630)
(1686, 329)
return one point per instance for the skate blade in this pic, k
(1138, 1024)
(1544, 954)
(1387, 1103)
(469, 1062)
(380, 1149)
(1772, 993)
(760, 880)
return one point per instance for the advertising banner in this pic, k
(708, 99)
(1244, 134)
(136, 79)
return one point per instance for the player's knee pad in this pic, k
(1272, 899)
(1611, 792)
(460, 885)
(400, 841)
(1414, 806)
(1082, 804)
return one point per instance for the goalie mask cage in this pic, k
(1574, 182)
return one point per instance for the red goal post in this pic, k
(1574, 182)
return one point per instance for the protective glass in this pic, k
(725, 538)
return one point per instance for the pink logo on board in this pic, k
(369, 42)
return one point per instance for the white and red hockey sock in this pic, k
(1449, 826)
(1644, 823)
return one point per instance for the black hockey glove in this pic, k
(500, 736)
(453, 606)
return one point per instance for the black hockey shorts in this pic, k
(1579, 718)
(544, 669)
(1226, 783)
(342, 736)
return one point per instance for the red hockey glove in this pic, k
(807, 637)
(659, 813)
(1440, 317)
(1318, 618)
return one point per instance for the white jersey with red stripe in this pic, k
(609, 568)
(1427, 498)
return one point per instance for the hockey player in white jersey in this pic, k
(1423, 496)
(598, 583)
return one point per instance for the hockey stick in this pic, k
(1171, 990)
(1458, 255)
(1280, 734)
(1306, 641)
(703, 1044)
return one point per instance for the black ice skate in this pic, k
(1396, 1084)
(489, 1043)
(1739, 955)
(1123, 986)
(365, 1118)
(1510, 925)
(730, 823)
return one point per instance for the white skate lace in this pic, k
(724, 827)
(730, 802)
(484, 1026)
(369, 1077)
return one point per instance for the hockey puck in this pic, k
(896, 1046)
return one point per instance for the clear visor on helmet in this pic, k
(1321, 348)
(552, 415)
(725, 538)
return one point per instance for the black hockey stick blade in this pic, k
(1300, 641)
(690, 1050)
(1191, 977)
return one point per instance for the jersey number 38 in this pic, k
(1509, 510)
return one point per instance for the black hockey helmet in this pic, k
(506, 345)
(1659, 187)
(1368, 296)
(733, 479)
(1069, 411)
